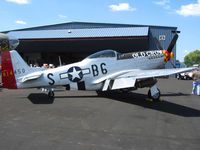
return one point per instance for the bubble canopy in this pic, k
(104, 54)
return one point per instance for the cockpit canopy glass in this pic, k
(103, 54)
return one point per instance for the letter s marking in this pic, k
(49, 76)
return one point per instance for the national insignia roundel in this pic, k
(75, 74)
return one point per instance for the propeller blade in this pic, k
(158, 45)
(3, 36)
(173, 42)
(8, 42)
(4, 42)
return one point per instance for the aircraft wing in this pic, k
(127, 79)
(143, 74)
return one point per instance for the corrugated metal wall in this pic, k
(164, 35)
(81, 33)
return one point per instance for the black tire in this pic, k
(156, 97)
(51, 94)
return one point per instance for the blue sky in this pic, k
(184, 14)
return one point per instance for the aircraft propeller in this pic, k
(173, 42)
(168, 54)
(7, 42)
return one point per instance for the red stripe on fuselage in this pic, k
(8, 74)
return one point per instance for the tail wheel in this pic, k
(51, 94)
(155, 97)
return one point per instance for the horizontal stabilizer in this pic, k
(31, 76)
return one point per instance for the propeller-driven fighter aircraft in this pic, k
(102, 71)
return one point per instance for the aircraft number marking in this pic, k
(52, 81)
(19, 71)
(95, 69)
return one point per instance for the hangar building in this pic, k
(73, 41)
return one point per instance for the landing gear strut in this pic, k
(154, 93)
(51, 93)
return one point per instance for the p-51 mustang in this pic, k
(102, 71)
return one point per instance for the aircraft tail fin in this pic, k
(8, 76)
(13, 67)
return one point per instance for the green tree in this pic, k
(192, 58)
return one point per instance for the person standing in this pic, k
(196, 82)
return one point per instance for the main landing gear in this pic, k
(154, 93)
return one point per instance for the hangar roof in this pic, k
(85, 25)
(81, 33)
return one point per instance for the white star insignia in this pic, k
(75, 73)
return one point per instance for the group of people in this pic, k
(196, 82)
(46, 66)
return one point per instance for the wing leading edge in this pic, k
(127, 79)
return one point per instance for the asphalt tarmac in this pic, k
(84, 121)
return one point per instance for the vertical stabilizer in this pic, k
(8, 76)
(13, 69)
(13, 66)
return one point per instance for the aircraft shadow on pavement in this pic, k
(40, 98)
(163, 106)
(131, 98)
(175, 94)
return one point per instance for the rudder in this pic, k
(8, 76)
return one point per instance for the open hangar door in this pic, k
(72, 50)
(73, 45)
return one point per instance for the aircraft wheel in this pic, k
(51, 94)
(155, 97)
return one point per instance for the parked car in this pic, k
(184, 76)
